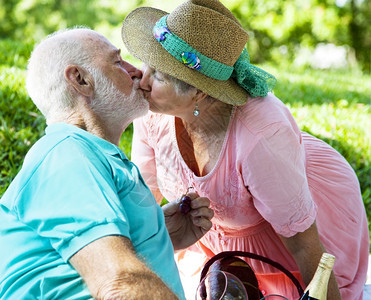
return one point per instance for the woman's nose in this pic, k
(145, 80)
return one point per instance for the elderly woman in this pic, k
(214, 126)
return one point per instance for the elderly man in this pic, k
(78, 221)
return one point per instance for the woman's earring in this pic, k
(196, 111)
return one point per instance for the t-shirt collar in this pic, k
(103, 144)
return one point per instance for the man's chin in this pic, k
(141, 110)
(137, 113)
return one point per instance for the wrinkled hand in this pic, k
(187, 229)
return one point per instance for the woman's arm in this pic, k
(187, 229)
(111, 270)
(307, 249)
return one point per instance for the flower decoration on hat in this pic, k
(191, 60)
(187, 55)
(254, 80)
(160, 32)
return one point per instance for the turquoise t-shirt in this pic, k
(74, 188)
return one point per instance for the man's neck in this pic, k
(94, 124)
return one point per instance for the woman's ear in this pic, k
(80, 79)
(200, 95)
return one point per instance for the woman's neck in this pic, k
(200, 139)
(214, 117)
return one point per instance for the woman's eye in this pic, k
(159, 77)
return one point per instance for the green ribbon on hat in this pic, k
(254, 80)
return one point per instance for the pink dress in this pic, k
(270, 179)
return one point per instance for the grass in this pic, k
(332, 105)
(335, 107)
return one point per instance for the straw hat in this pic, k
(205, 25)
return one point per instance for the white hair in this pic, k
(45, 81)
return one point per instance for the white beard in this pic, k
(111, 104)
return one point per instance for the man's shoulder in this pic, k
(52, 153)
(65, 144)
(57, 149)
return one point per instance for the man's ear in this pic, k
(80, 79)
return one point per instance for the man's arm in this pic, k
(307, 249)
(111, 270)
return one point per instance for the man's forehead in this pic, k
(102, 45)
(116, 52)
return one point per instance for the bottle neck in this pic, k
(318, 286)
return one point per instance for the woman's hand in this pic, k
(187, 229)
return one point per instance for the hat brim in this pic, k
(137, 35)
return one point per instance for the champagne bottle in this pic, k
(317, 288)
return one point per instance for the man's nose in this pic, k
(136, 73)
(133, 71)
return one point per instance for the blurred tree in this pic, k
(8, 21)
(360, 31)
(33, 19)
(279, 30)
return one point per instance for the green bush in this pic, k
(20, 124)
(14, 54)
(334, 106)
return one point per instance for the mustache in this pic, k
(136, 83)
(136, 90)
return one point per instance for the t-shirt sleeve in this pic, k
(142, 153)
(274, 172)
(71, 200)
